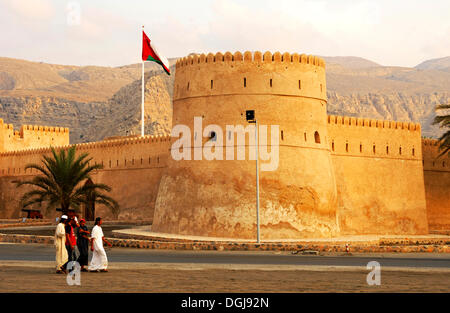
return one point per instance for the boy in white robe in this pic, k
(99, 260)
(60, 243)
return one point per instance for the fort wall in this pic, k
(336, 175)
(379, 176)
(132, 168)
(31, 136)
(437, 182)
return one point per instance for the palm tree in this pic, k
(62, 182)
(444, 121)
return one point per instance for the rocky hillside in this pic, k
(395, 93)
(98, 102)
(94, 102)
(442, 64)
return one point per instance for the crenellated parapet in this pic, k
(250, 57)
(114, 154)
(31, 136)
(250, 73)
(158, 139)
(93, 145)
(46, 129)
(36, 128)
(364, 137)
(366, 122)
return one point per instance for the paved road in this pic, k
(35, 252)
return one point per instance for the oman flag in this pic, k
(149, 53)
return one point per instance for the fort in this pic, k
(336, 175)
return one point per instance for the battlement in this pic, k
(47, 129)
(371, 138)
(92, 145)
(147, 152)
(248, 56)
(31, 136)
(7, 126)
(366, 122)
(250, 74)
(124, 141)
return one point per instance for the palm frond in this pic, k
(62, 181)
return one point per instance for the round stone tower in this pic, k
(218, 197)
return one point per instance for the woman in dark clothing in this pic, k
(83, 244)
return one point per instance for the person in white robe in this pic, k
(99, 260)
(60, 243)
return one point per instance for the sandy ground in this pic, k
(39, 277)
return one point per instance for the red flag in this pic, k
(150, 53)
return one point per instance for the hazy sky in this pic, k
(107, 32)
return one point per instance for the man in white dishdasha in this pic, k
(99, 260)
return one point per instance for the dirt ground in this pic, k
(43, 279)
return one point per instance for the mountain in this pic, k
(351, 62)
(98, 102)
(93, 101)
(442, 64)
(387, 92)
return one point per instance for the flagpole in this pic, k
(142, 104)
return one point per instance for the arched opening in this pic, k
(317, 137)
(89, 208)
